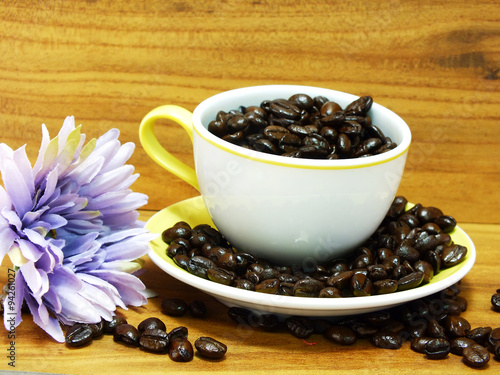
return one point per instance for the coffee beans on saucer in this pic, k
(406, 251)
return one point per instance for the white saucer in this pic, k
(193, 212)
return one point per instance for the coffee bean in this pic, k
(299, 327)
(340, 335)
(386, 340)
(480, 335)
(174, 306)
(109, 327)
(495, 302)
(458, 344)
(154, 340)
(456, 326)
(210, 348)
(454, 254)
(418, 344)
(79, 335)
(178, 332)
(197, 309)
(127, 334)
(151, 323)
(476, 356)
(437, 348)
(180, 350)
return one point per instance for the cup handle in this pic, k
(157, 152)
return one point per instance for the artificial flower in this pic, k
(70, 226)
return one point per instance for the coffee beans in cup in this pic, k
(304, 127)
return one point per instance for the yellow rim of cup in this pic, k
(282, 161)
(328, 164)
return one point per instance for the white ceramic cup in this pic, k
(285, 210)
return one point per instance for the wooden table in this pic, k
(107, 63)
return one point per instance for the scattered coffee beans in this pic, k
(151, 334)
(304, 127)
(406, 251)
(433, 326)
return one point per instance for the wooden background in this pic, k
(109, 62)
(435, 63)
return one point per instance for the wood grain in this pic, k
(262, 352)
(108, 63)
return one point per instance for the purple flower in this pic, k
(70, 227)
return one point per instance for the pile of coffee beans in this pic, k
(151, 334)
(304, 127)
(406, 251)
(433, 325)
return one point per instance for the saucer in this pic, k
(193, 212)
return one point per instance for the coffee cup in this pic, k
(285, 210)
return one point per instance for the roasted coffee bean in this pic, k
(340, 335)
(435, 330)
(180, 332)
(426, 268)
(180, 350)
(127, 334)
(476, 356)
(494, 338)
(221, 276)
(110, 326)
(410, 281)
(385, 286)
(454, 254)
(456, 326)
(428, 214)
(197, 309)
(361, 285)
(302, 101)
(458, 344)
(177, 231)
(418, 344)
(285, 108)
(97, 329)
(237, 124)
(199, 265)
(386, 340)
(174, 306)
(269, 286)
(360, 106)
(307, 287)
(244, 284)
(437, 348)
(265, 145)
(79, 335)
(289, 143)
(495, 301)
(479, 335)
(330, 292)
(210, 348)
(151, 323)
(300, 327)
(154, 340)
(446, 223)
